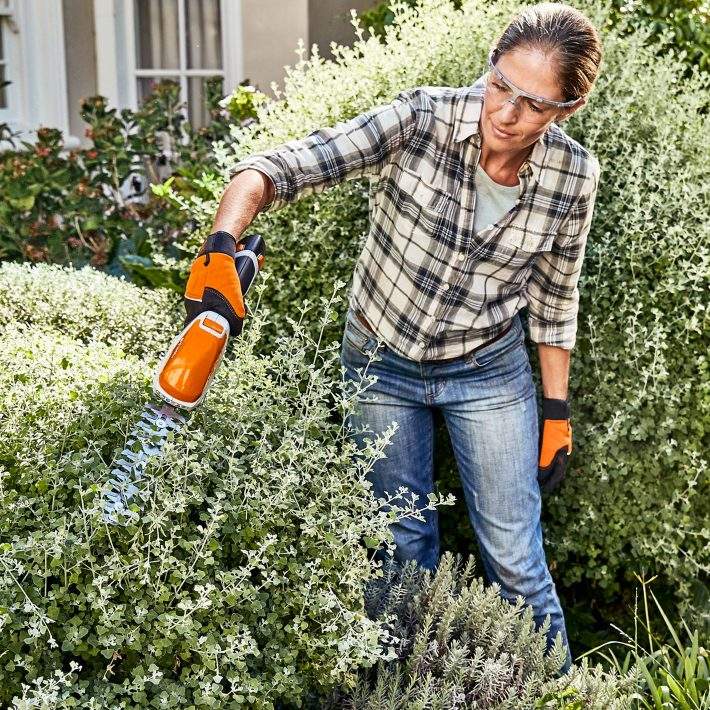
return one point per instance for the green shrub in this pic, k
(89, 306)
(460, 645)
(242, 581)
(639, 384)
(687, 20)
(263, 466)
(242, 103)
(684, 22)
(636, 496)
(93, 205)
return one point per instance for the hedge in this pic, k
(93, 204)
(254, 517)
(241, 584)
(89, 306)
(636, 496)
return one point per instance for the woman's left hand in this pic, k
(555, 443)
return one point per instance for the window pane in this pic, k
(204, 33)
(157, 40)
(146, 85)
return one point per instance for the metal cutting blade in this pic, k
(144, 442)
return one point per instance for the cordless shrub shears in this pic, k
(219, 279)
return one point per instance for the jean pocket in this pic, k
(357, 336)
(491, 353)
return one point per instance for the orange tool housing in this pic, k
(185, 372)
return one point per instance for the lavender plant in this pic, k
(459, 645)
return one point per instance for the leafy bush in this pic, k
(687, 21)
(683, 22)
(242, 103)
(89, 306)
(378, 17)
(93, 205)
(639, 384)
(458, 644)
(76, 206)
(254, 485)
(242, 581)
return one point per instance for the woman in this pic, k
(480, 206)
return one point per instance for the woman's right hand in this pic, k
(214, 283)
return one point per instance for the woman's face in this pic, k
(532, 71)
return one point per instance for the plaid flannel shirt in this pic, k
(430, 286)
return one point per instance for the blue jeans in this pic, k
(488, 402)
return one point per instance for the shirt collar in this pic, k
(467, 121)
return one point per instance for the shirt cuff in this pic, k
(265, 166)
(559, 335)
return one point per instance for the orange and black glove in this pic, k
(555, 443)
(214, 284)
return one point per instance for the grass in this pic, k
(674, 672)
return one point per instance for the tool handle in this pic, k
(250, 255)
(186, 370)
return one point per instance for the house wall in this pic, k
(271, 30)
(80, 53)
(70, 49)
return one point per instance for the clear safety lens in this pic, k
(499, 91)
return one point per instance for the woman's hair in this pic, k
(564, 32)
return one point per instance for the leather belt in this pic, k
(365, 323)
(470, 352)
(362, 320)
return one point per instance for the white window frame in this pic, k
(11, 45)
(116, 51)
(38, 93)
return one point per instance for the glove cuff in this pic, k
(222, 242)
(555, 408)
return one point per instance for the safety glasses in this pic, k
(534, 109)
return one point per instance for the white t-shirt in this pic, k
(493, 201)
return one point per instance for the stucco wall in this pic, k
(270, 32)
(80, 53)
(271, 29)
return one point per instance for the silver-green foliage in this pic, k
(90, 306)
(242, 582)
(460, 645)
(636, 495)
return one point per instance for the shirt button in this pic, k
(422, 345)
(446, 287)
(461, 256)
